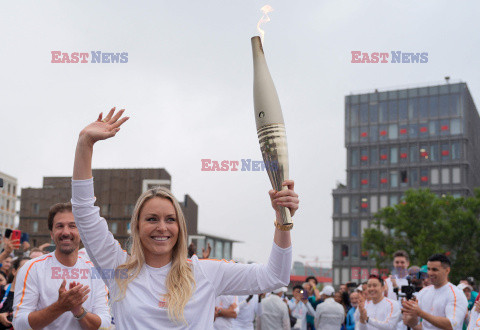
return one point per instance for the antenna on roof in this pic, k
(447, 78)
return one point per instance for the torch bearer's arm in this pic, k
(284, 198)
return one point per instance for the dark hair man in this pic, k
(441, 305)
(43, 296)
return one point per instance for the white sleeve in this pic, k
(230, 278)
(318, 315)
(358, 324)
(26, 296)
(100, 304)
(474, 320)
(310, 309)
(393, 316)
(237, 308)
(104, 251)
(286, 319)
(456, 309)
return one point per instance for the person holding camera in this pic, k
(439, 306)
(300, 307)
(379, 312)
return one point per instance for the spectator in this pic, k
(44, 297)
(329, 315)
(439, 306)
(378, 313)
(248, 308)
(300, 307)
(314, 297)
(471, 282)
(3, 280)
(275, 312)
(5, 268)
(350, 320)
(398, 278)
(7, 294)
(35, 252)
(226, 309)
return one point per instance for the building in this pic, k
(116, 191)
(424, 137)
(8, 201)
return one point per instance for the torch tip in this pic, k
(257, 43)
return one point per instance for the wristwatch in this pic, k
(81, 316)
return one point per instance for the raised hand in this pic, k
(103, 129)
(206, 253)
(286, 198)
(73, 298)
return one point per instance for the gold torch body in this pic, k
(270, 125)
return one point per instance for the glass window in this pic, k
(364, 156)
(403, 154)
(393, 110)
(402, 110)
(443, 105)
(354, 157)
(36, 208)
(336, 205)
(374, 156)
(212, 245)
(336, 253)
(393, 155)
(383, 112)
(227, 250)
(393, 200)
(374, 179)
(413, 177)
(433, 106)
(414, 154)
(412, 109)
(355, 251)
(434, 154)
(434, 176)
(393, 131)
(383, 179)
(373, 113)
(354, 180)
(455, 104)
(354, 134)
(456, 151)
(363, 114)
(363, 226)
(373, 133)
(373, 204)
(444, 127)
(423, 177)
(383, 132)
(383, 156)
(445, 176)
(456, 126)
(433, 127)
(345, 205)
(344, 254)
(413, 130)
(336, 228)
(345, 228)
(218, 250)
(423, 129)
(354, 228)
(423, 153)
(364, 204)
(394, 179)
(354, 115)
(403, 131)
(364, 180)
(423, 107)
(445, 151)
(35, 226)
(383, 201)
(403, 178)
(456, 175)
(355, 204)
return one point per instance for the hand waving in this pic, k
(103, 129)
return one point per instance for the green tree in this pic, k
(424, 224)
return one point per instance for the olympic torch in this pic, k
(270, 125)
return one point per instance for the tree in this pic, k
(424, 224)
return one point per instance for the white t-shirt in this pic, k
(384, 315)
(274, 314)
(224, 302)
(144, 305)
(246, 313)
(37, 285)
(329, 315)
(299, 311)
(474, 323)
(447, 301)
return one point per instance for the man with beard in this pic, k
(57, 290)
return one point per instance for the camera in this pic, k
(415, 284)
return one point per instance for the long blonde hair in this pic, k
(180, 281)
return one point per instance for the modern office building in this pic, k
(426, 137)
(8, 201)
(116, 191)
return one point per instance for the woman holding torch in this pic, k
(156, 286)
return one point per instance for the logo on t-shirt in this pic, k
(163, 302)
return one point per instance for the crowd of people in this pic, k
(161, 284)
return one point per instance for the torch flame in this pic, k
(265, 9)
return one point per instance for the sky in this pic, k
(187, 87)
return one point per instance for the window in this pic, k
(444, 127)
(403, 131)
(383, 201)
(413, 130)
(36, 208)
(364, 157)
(434, 154)
(363, 226)
(402, 110)
(445, 151)
(373, 113)
(393, 131)
(363, 114)
(456, 152)
(423, 107)
(35, 226)
(394, 179)
(393, 110)
(345, 205)
(373, 204)
(344, 253)
(354, 157)
(212, 245)
(414, 154)
(354, 228)
(423, 153)
(336, 228)
(218, 250)
(337, 252)
(336, 205)
(443, 105)
(354, 134)
(383, 179)
(383, 133)
(434, 176)
(105, 209)
(423, 177)
(413, 177)
(383, 156)
(354, 180)
(456, 175)
(374, 156)
(227, 248)
(412, 109)
(393, 200)
(393, 155)
(455, 105)
(364, 180)
(355, 251)
(383, 112)
(364, 204)
(374, 179)
(374, 133)
(455, 126)
(403, 154)
(433, 106)
(355, 204)
(434, 128)
(445, 176)
(113, 227)
(403, 178)
(354, 115)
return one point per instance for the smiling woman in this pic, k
(163, 288)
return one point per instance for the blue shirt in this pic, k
(350, 323)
